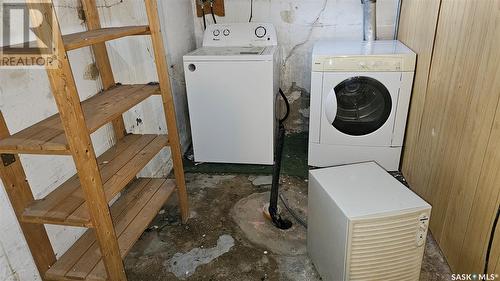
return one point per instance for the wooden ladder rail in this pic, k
(67, 99)
(168, 105)
(20, 195)
(102, 60)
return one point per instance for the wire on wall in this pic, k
(212, 10)
(251, 11)
(202, 5)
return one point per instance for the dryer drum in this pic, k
(363, 106)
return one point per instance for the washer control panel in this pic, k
(240, 34)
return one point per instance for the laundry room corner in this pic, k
(249, 140)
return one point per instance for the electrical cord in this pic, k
(292, 212)
(490, 243)
(281, 196)
(212, 10)
(202, 4)
(251, 11)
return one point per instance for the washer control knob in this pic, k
(216, 32)
(226, 32)
(260, 31)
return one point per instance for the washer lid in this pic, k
(231, 54)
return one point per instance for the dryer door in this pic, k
(359, 108)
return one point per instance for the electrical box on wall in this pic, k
(217, 6)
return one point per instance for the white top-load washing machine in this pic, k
(232, 83)
(360, 93)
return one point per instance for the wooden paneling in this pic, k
(451, 153)
(420, 38)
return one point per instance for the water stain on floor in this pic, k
(227, 238)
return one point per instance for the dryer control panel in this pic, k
(240, 35)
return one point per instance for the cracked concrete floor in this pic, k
(220, 242)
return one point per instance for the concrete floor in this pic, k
(228, 239)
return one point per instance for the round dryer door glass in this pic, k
(363, 105)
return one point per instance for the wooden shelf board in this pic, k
(118, 166)
(47, 136)
(87, 38)
(132, 213)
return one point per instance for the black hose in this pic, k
(490, 243)
(287, 106)
(278, 221)
(292, 212)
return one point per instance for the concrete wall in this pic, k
(299, 25)
(25, 98)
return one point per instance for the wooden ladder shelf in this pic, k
(83, 199)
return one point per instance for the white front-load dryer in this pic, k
(360, 95)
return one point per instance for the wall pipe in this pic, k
(396, 21)
(369, 20)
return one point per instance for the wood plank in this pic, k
(91, 258)
(135, 229)
(132, 213)
(123, 176)
(450, 159)
(102, 60)
(118, 166)
(20, 195)
(59, 194)
(73, 119)
(419, 36)
(168, 105)
(58, 212)
(47, 136)
(486, 202)
(90, 37)
(471, 82)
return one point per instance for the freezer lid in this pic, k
(230, 53)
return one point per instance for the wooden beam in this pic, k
(168, 105)
(66, 96)
(102, 60)
(20, 196)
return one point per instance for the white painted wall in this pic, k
(299, 24)
(25, 98)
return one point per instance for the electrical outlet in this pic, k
(218, 6)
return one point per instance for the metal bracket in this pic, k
(8, 159)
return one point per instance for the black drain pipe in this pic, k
(276, 218)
